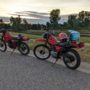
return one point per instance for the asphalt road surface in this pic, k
(19, 72)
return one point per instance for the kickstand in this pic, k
(55, 62)
(12, 51)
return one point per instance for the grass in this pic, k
(31, 36)
(85, 54)
(28, 35)
(85, 39)
(36, 32)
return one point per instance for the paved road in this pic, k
(19, 72)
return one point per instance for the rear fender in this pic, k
(78, 45)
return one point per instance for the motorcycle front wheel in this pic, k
(3, 46)
(42, 52)
(72, 59)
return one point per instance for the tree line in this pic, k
(75, 21)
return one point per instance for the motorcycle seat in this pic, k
(15, 38)
(65, 44)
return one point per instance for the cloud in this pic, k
(33, 14)
(66, 6)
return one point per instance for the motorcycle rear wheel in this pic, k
(23, 48)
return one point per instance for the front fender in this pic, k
(40, 40)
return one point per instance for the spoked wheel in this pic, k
(24, 48)
(42, 52)
(3, 46)
(72, 59)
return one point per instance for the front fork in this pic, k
(57, 58)
(60, 54)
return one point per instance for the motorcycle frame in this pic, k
(61, 49)
(10, 39)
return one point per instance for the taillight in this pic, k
(81, 44)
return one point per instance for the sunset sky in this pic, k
(8, 7)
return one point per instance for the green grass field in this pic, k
(85, 39)
(28, 35)
(85, 54)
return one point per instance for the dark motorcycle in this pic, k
(18, 42)
(57, 49)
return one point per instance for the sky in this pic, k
(10, 7)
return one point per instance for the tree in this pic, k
(26, 25)
(54, 18)
(12, 20)
(84, 18)
(72, 21)
(18, 20)
(16, 23)
(81, 16)
(25, 21)
(2, 24)
(47, 26)
(1, 21)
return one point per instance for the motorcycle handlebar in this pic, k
(2, 30)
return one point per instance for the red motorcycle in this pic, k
(18, 42)
(64, 48)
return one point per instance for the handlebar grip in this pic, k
(3, 30)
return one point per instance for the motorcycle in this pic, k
(18, 42)
(59, 49)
